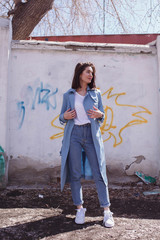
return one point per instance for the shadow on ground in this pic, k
(34, 214)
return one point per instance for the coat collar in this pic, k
(72, 90)
(91, 92)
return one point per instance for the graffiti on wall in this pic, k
(21, 110)
(110, 128)
(57, 135)
(44, 95)
(39, 95)
(136, 112)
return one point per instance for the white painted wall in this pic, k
(4, 61)
(131, 73)
(41, 72)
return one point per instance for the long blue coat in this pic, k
(93, 97)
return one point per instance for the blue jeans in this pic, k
(81, 137)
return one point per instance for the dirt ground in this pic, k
(45, 213)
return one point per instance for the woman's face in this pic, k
(87, 75)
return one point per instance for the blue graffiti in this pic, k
(44, 96)
(40, 96)
(21, 109)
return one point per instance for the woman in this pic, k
(82, 111)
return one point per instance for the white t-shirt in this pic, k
(81, 117)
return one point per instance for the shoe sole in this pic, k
(79, 222)
(108, 225)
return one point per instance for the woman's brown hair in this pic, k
(80, 67)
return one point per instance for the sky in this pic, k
(136, 16)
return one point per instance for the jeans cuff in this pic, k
(106, 205)
(81, 203)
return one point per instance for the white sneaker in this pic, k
(80, 216)
(108, 220)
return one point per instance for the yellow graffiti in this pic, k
(109, 127)
(58, 135)
(139, 120)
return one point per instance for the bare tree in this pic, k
(27, 15)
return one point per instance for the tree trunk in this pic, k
(27, 16)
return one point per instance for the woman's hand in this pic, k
(96, 113)
(69, 114)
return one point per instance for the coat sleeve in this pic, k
(100, 107)
(63, 109)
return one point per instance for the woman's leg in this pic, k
(102, 187)
(74, 163)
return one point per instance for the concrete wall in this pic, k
(4, 62)
(40, 72)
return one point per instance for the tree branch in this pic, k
(28, 15)
(119, 19)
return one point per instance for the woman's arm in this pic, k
(66, 114)
(97, 113)
(63, 109)
(100, 107)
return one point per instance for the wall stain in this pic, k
(138, 160)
